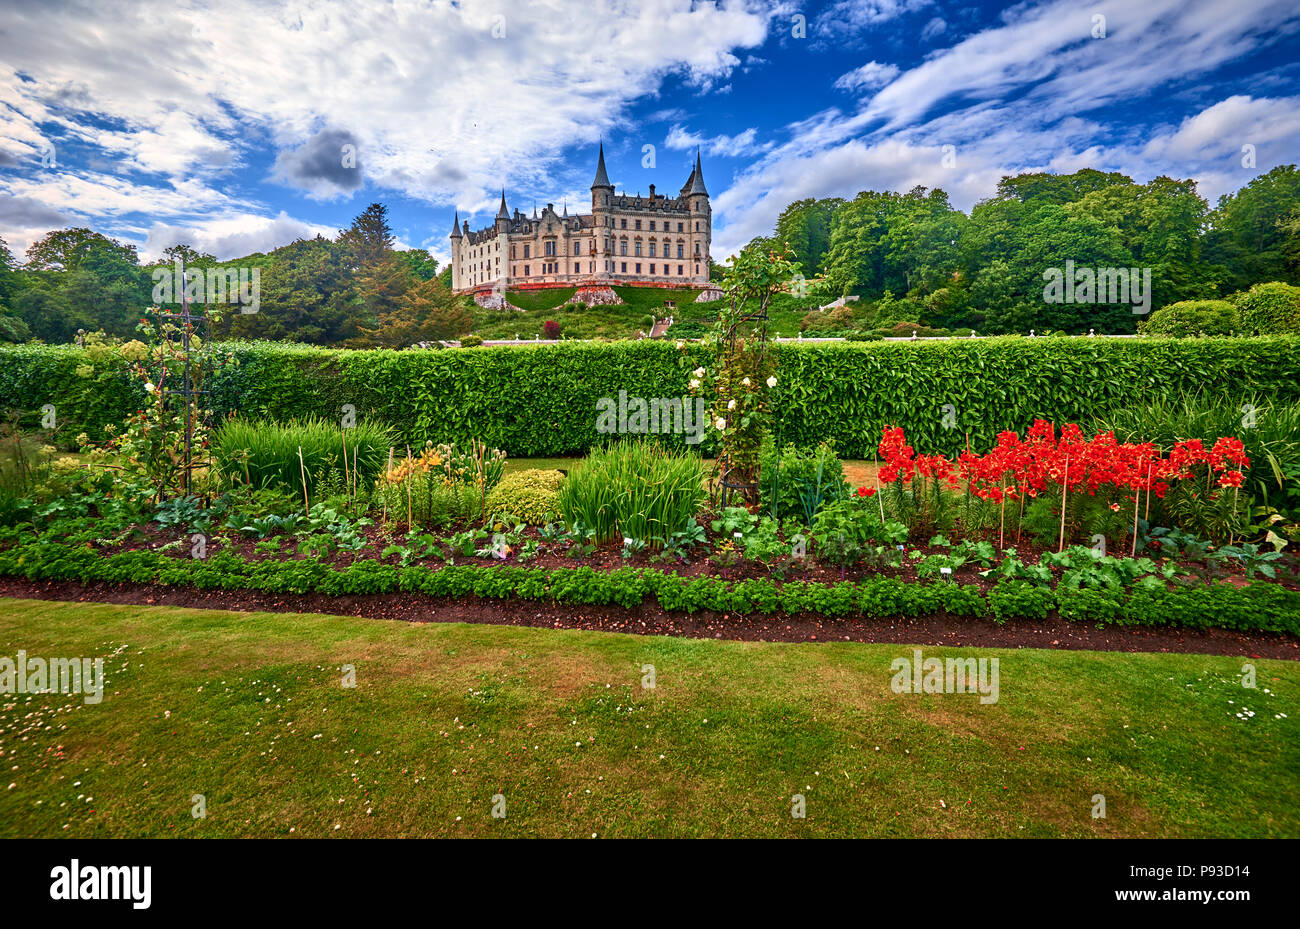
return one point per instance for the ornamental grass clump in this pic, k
(637, 490)
(265, 454)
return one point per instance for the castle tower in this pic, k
(503, 214)
(697, 198)
(456, 239)
(602, 196)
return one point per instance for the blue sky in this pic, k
(238, 126)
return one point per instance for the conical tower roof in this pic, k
(697, 177)
(503, 213)
(602, 177)
(455, 226)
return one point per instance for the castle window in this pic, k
(625, 224)
(527, 250)
(550, 248)
(679, 250)
(697, 269)
(652, 250)
(577, 248)
(638, 248)
(680, 227)
(624, 263)
(652, 269)
(697, 227)
(638, 224)
(638, 267)
(622, 245)
(652, 225)
(526, 271)
(679, 269)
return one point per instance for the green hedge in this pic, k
(1256, 607)
(541, 400)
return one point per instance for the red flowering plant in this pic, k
(1065, 484)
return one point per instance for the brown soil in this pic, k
(650, 619)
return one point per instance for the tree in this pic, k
(191, 257)
(307, 296)
(805, 228)
(427, 312)
(418, 262)
(1249, 234)
(70, 249)
(369, 238)
(8, 279)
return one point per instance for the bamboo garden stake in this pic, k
(303, 470)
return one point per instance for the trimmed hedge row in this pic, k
(541, 401)
(1256, 607)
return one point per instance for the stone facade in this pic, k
(655, 241)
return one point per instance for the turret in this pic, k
(503, 214)
(456, 239)
(602, 191)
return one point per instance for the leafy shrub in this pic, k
(686, 329)
(636, 490)
(835, 320)
(798, 482)
(1270, 309)
(1193, 317)
(471, 341)
(550, 329)
(265, 454)
(532, 495)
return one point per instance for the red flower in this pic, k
(866, 491)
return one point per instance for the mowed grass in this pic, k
(249, 711)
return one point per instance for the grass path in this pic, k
(249, 711)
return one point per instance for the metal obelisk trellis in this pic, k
(185, 321)
(746, 489)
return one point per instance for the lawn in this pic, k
(621, 321)
(249, 711)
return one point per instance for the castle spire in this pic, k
(455, 226)
(503, 213)
(697, 177)
(602, 177)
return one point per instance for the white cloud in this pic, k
(729, 146)
(869, 76)
(232, 236)
(935, 27)
(1034, 93)
(444, 101)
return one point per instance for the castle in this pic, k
(654, 241)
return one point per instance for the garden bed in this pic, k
(649, 618)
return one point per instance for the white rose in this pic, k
(720, 423)
(771, 381)
(680, 343)
(149, 388)
(731, 404)
(695, 385)
(699, 372)
(745, 382)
